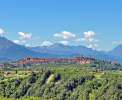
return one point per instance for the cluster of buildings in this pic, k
(30, 60)
(1, 65)
(36, 61)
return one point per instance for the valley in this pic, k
(62, 81)
(60, 49)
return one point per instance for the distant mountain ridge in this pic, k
(70, 51)
(11, 51)
(117, 51)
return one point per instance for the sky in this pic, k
(96, 24)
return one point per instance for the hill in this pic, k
(69, 82)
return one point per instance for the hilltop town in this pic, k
(30, 60)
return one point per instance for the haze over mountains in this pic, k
(61, 50)
(12, 51)
(117, 51)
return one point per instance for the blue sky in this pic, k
(95, 23)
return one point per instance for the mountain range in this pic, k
(117, 51)
(10, 51)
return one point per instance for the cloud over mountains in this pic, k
(2, 32)
(63, 37)
(23, 38)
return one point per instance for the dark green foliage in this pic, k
(32, 78)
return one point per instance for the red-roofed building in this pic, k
(30, 61)
(1, 65)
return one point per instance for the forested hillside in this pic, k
(63, 82)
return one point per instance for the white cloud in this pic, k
(17, 41)
(89, 39)
(93, 46)
(20, 42)
(25, 36)
(2, 32)
(89, 36)
(64, 42)
(27, 45)
(117, 42)
(65, 35)
(46, 43)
